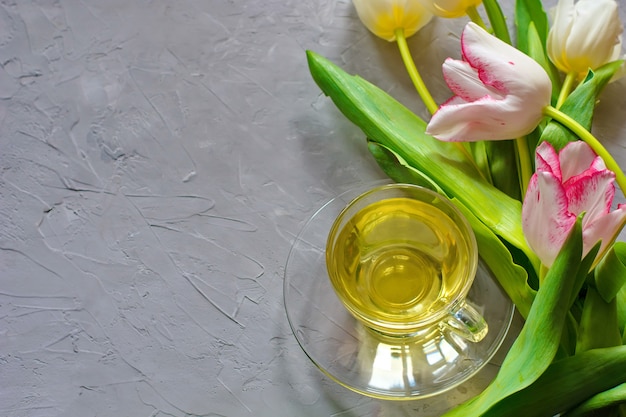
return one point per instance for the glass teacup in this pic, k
(402, 259)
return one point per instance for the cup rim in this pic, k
(408, 327)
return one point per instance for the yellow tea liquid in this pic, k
(398, 259)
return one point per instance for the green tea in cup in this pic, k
(402, 259)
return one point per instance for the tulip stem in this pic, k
(475, 17)
(524, 164)
(422, 90)
(568, 86)
(591, 140)
(418, 82)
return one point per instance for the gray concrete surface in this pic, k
(157, 158)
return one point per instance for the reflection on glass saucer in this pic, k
(364, 360)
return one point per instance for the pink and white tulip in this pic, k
(500, 92)
(565, 185)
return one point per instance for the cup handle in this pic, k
(468, 323)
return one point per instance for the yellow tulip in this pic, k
(384, 17)
(450, 8)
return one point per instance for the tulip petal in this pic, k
(595, 30)
(605, 228)
(547, 160)
(591, 192)
(576, 157)
(463, 81)
(503, 67)
(563, 15)
(546, 219)
(483, 119)
(383, 17)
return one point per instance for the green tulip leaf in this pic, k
(580, 105)
(532, 26)
(566, 383)
(478, 150)
(388, 123)
(621, 311)
(537, 51)
(397, 169)
(512, 277)
(582, 276)
(539, 340)
(501, 156)
(497, 20)
(600, 402)
(598, 326)
(529, 12)
(610, 274)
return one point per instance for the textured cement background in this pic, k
(157, 159)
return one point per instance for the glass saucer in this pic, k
(364, 361)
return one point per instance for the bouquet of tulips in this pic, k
(513, 149)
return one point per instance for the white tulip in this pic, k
(585, 35)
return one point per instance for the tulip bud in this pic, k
(384, 17)
(566, 184)
(585, 35)
(500, 93)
